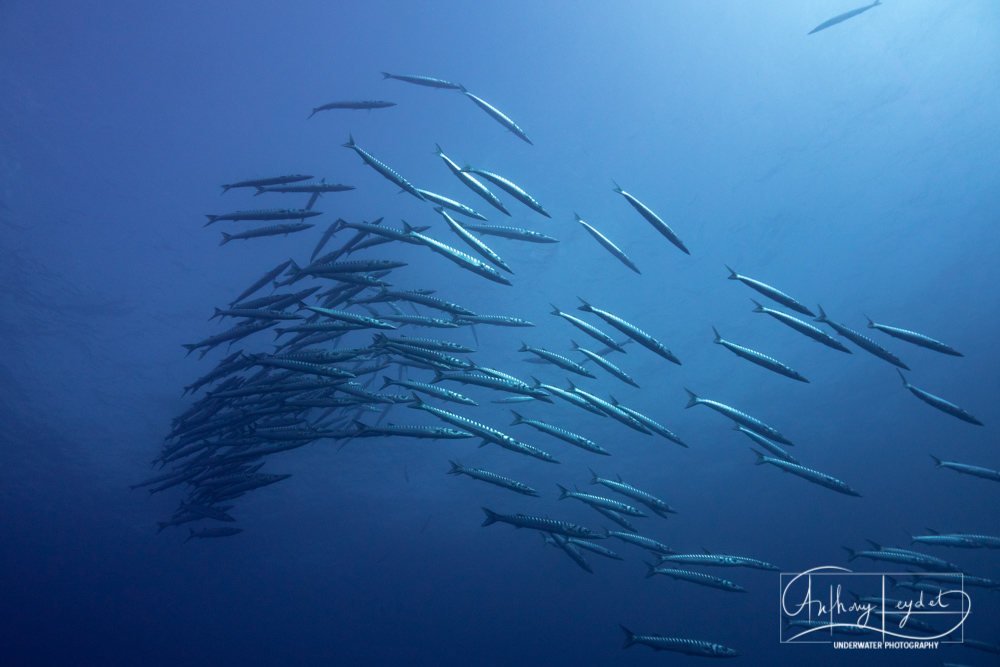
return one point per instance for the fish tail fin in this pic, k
(652, 569)
(491, 517)
(617, 187)
(218, 311)
(694, 400)
(225, 189)
(160, 526)
(577, 217)
(407, 227)
(358, 425)
(575, 346)
(718, 338)
(416, 401)
(313, 114)
(350, 137)
(759, 308)
(438, 376)
(892, 580)
(851, 553)
(211, 219)
(563, 492)
(937, 462)
(518, 419)
(437, 150)
(190, 347)
(387, 381)
(932, 531)
(226, 238)
(190, 536)
(614, 401)
(732, 274)
(260, 190)
(761, 459)
(903, 377)
(585, 307)
(524, 347)
(822, 315)
(456, 468)
(572, 387)
(594, 479)
(466, 167)
(629, 636)
(538, 383)
(462, 89)
(386, 75)
(555, 309)
(871, 324)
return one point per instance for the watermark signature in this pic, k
(884, 613)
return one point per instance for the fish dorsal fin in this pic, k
(707, 552)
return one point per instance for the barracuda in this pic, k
(862, 341)
(761, 360)
(741, 418)
(492, 478)
(470, 182)
(514, 190)
(608, 245)
(382, 168)
(632, 331)
(562, 434)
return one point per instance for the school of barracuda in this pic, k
(311, 388)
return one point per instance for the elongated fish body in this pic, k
(766, 444)
(959, 579)
(497, 115)
(573, 552)
(915, 338)
(495, 320)
(427, 81)
(902, 620)
(474, 243)
(513, 233)
(807, 474)
(557, 359)
(612, 411)
(429, 389)
(653, 219)
(425, 300)
(649, 423)
(608, 245)
(470, 182)
(605, 364)
(600, 501)
(959, 540)
(354, 266)
(519, 447)
(902, 557)
(430, 355)
(936, 402)
(640, 541)
(263, 214)
(431, 344)
(511, 188)
(843, 17)
(771, 293)
(505, 376)
(862, 341)
(699, 578)
(214, 532)
(354, 105)
(256, 314)
(463, 260)
(479, 430)
(492, 478)
(352, 318)
(616, 517)
(588, 329)
(538, 523)
(965, 469)
(632, 331)
(650, 501)
(236, 333)
(568, 396)
(562, 434)
(686, 646)
(259, 182)
(982, 646)
(264, 280)
(273, 230)
(594, 548)
(309, 188)
(498, 384)
(451, 204)
(752, 423)
(815, 333)
(383, 168)
(420, 321)
(761, 360)
(407, 431)
(849, 629)
(718, 560)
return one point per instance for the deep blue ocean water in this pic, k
(857, 168)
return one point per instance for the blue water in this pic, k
(857, 168)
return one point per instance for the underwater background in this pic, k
(857, 168)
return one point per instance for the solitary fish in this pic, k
(939, 403)
(608, 245)
(512, 189)
(273, 230)
(263, 182)
(807, 474)
(965, 469)
(214, 532)
(843, 17)
(470, 182)
(687, 646)
(492, 478)
(959, 540)
(761, 360)
(699, 578)
(771, 293)
(263, 214)
(915, 338)
(497, 115)
(652, 219)
(355, 104)
(815, 333)
(862, 341)
(310, 188)
(423, 81)
(382, 168)
(632, 331)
